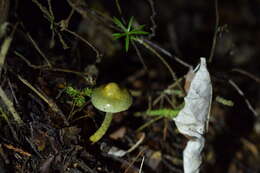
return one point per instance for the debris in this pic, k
(192, 120)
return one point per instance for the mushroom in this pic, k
(109, 98)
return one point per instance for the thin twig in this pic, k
(85, 76)
(12, 91)
(3, 51)
(152, 17)
(47, 100)
(5, 47)
(162, 95)
(50, 8)
(5, 116)
(149, 123)
(157, 47)
(38, 49)
(28, 62)
(141, 139)
(139, 56)
(183, 62)
(53, 26)
(65, 23)
(43, 9)
(240, 92)
(10, 106)
(134, 160)
(118, 7)
(85, 12)
(141, 166)
(18, 150)
(250, 75)
(98, 54)
(215, 33)
(167, 53)
(160, 57)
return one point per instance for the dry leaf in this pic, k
(192, 120)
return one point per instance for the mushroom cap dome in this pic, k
(111, 98)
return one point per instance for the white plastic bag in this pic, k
(193, 119)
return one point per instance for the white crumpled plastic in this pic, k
(193, 119)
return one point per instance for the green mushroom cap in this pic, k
(111, 98)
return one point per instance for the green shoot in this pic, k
(129, 32)
(167, 113)
(224, 101)
(78, 95)
(158, 114)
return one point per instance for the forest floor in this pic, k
(49, 46)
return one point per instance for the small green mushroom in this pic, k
(109, 98)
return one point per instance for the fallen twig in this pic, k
(250, 75)
(240, 92)
(18, 150)
(10, 106)
(49, 101)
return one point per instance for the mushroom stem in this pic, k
(102, 129)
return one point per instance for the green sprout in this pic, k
(158, 114)
(224, 101)
(78, 95)
(166, 113)
(129, 32)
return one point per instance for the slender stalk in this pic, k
(160, 57)
(102, 129)
(10, 107)
(214, 41)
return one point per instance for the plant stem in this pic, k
(10, 106)
(160, 57)
(102, 129)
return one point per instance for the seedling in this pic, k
(224, 101)
(168, 113)
(78, 95)
(129, 32)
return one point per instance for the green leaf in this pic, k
(224, 101)
(87, 92)
(170, 113)
(130, 23)
(79, 101)
(119, 24)
(118, 35)
(138, 32)
(72, 92)
(129, 32)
